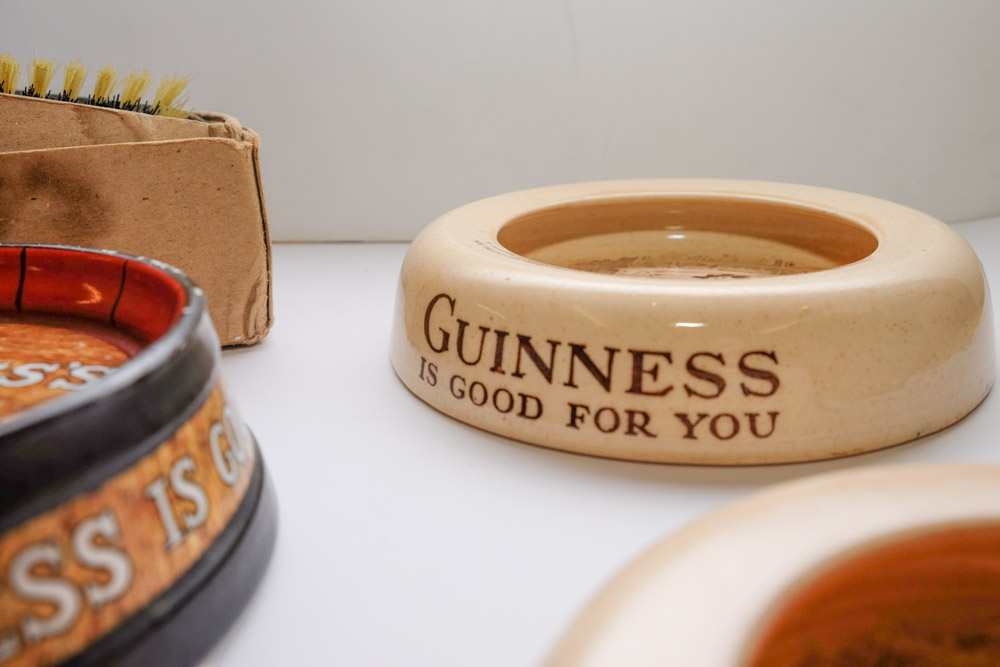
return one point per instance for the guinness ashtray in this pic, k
(874, 566)
(136, 517)
(695, 321)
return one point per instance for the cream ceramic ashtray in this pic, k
(695, 321)
(878, 566)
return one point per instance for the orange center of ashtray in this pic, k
(40, 361)
(931, 599)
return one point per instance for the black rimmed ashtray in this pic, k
(136, 516)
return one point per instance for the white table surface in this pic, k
(407, 538)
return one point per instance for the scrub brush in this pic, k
(168, 100)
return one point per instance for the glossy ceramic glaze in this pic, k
(899, 563)
(695, 321)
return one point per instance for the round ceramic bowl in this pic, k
(135, 513)
(695, 321)
(878, 566)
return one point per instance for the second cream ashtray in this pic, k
(882, 565)
(695, 321)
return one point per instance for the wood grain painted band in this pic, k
(75, 573)
(136, 517)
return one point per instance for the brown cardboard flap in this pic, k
(186, 192)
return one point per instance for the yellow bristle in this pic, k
(170, 100)
(107, 81)
(76, 73)
(167, 101)
(42, 72)
(174, 112)
(10, 72)
(135, 87)
(177, 111)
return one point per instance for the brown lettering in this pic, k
(577, 413)
(759, 374)
(445, 336)
(615, 420)
(537, 405)
(635, 426)
(752, 418)
(460, 343)
(702, 374)
(478, 389)
(688, 425)
(509, 400)
(734, 426)
(579, 352)
(498, 355)
(460, 391)
(639, 371)
(524, 344)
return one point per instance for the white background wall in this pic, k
(378, 116)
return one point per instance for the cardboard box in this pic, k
(183, 191)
